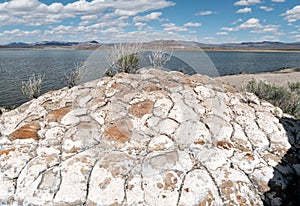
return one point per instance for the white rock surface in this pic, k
(151, 138)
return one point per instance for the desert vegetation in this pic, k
(74, 75)
(285, 97)
(124, 57)
(159, 56)
(32, 88)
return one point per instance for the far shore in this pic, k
(105, 47)
(279, 77)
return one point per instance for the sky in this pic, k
(206, 21)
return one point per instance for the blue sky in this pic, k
(208, 21)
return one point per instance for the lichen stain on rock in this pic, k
(151, 87)
(199, 142)
(103, 185)
(170, 182)
(208, 200)
(225, 145)
(57, 114)
(159, 185)
(26, 132)
(141, 108)
(119, 131)
(227, 188)
(6, 151)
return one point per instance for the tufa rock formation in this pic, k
(152, 138)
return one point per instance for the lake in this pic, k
(17, 66)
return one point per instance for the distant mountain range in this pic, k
(265, 45)
(52, 44)
(255, 45)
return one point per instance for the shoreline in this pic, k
(104, 47)
(279, 77)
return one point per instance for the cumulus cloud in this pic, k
(252, 23)
(140, 25)
(267, 29)
(278, 0)
(247, 2)
(297, 37)
(266, 8)
(237, 21)
(18, 35)
(229, 29)
(36, 13)
(222, 33)
(92, 19)
(293, 14)
(244, 10)
(192, 24)
(149, 17)
(174, 28)
(18, 32)
(254, 26)
(204, 13)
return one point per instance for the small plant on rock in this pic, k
(286, 98)
(74, 75)
(32, 88)
(158, 56)
(124, 58)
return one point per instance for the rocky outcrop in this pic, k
(151, 138)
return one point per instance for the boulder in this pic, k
(150, 138)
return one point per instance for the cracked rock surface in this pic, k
(151, 138)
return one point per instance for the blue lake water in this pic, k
(18, 65)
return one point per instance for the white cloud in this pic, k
(267, 29)
(140, 25)
(209, 40)
(173, 27)
(229, 29)
(222, 33)
(297, 37)
(149, 17)
(36, 13)
(247, 2)
(244, 10)
(89, 17)
(266, 8)
(237, 21)
(268, 38)
(192, 24)
(204, 13)
(252, 23)
(10, 34)
(278, 0)
(293, 14)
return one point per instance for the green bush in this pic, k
(294, 86)
(124, 58)
(32, 88)
(287, 98)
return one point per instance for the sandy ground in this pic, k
(280, 77)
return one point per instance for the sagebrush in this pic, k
(32, 88)
(124, 58)
(286, 98)
(74, 75)
(159, 56)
